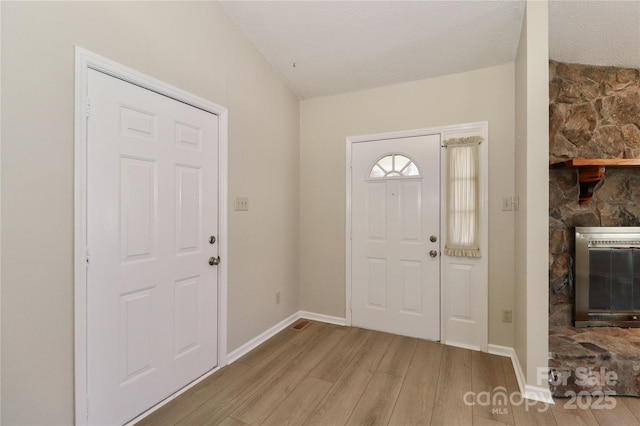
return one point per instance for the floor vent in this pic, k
(301, 325)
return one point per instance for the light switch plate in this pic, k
(507, 204)
(242, 204)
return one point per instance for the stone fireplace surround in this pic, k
(594, 112)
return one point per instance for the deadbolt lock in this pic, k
(433, 238)
(212, 240)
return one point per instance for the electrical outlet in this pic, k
(507, 315)
(277, 298)
(242, 204)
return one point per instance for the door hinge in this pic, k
(87, 257)
(87, 108)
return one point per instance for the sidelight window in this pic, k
(463, 196)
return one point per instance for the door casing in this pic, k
(85, 60)
(454, 336)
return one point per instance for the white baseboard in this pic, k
(322, 318)
(461, 345)
(501, 350)
(261, 338)
(535, 393)
(268, 334)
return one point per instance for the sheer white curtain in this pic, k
(462, 196)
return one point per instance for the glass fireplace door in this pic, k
(614, 280)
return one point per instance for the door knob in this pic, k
(213, 261)
(433, 253)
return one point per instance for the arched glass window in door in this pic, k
(394, 165)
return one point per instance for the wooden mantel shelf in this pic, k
(591, 171)
(599, 162)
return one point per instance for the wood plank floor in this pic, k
(331, 375)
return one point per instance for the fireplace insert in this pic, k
(607, 271)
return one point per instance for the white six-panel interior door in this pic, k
(152, 210)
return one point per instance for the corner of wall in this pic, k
(532, 187)
(535, 393)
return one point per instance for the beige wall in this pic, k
(532, 186)
(194, 46)
(325, 122)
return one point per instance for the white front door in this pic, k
(152, 172)
(395, 221)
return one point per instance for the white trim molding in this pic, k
(85, 60)
(238, 353)
(535, 393)
(461, 345)
(505, 351)
(322, 318)
(269, 333)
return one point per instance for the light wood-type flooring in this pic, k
(331, 375)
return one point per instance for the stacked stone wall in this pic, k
(594, 112)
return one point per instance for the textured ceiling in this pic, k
(595, 32)
(328, 47)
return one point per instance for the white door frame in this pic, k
(85, 60)
(445, 132)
